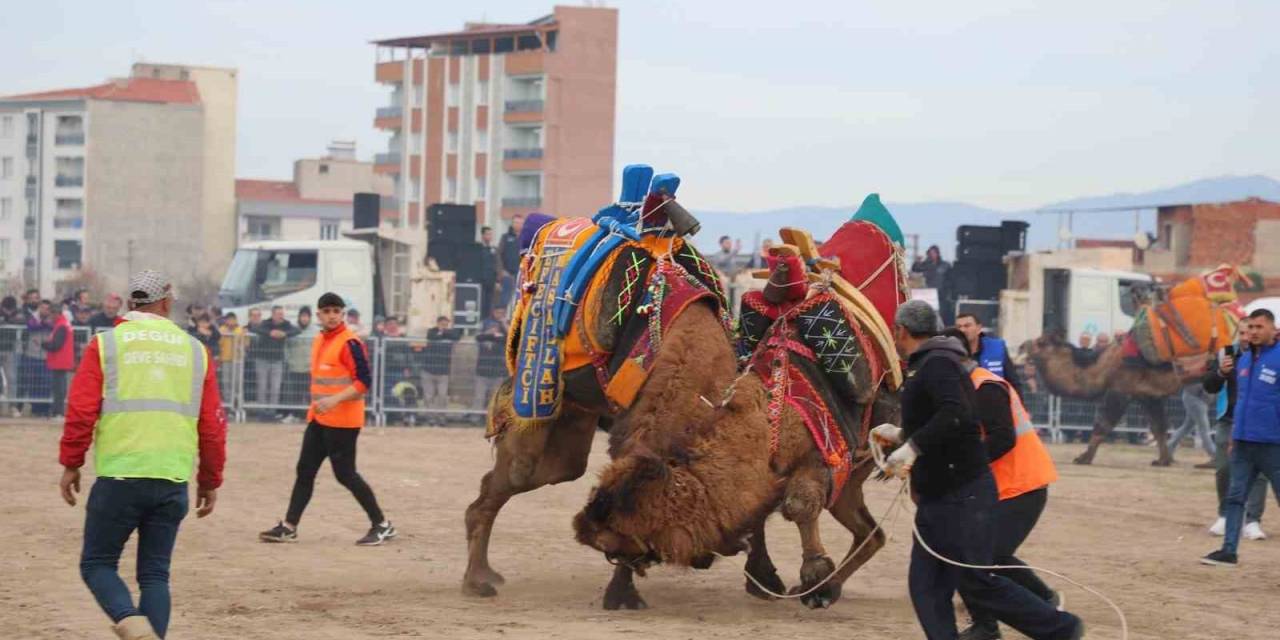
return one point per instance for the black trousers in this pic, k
(339, 446)
(1013, 520)
(957, 525)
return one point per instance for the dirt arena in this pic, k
(1133, 531)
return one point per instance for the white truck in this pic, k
(373, 270)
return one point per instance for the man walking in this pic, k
(146, 398)
(954, 488)
(1225, 387)
(1255, 437)
(340, 377)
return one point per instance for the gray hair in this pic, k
(917, 317)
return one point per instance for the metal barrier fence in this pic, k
(416, 381)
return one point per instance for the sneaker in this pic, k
(1058, 601)
(1253, 531)
(378, 534)
(289, 419)
(1219, 527)
(1220, 558)
(980, 632)
(279, 533)
(1206, 465)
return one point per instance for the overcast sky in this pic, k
(761, 105)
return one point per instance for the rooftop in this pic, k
(474, 30)
(275, 191)
(124, 90)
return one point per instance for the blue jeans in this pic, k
(116, 508)
(1248, 459)
(958, 526)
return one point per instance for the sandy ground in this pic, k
(1128, 529)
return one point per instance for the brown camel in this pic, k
(1115, 382)
(709, 491)
(696, 361)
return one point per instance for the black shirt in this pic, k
(509, 252)
(938, 419)
(991, 404)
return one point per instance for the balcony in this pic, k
(389, 112)
(388, 118)
(31, 188)
(523, 201)
(389, 72)
(389, 202)
(524, 106)
(68, 223)
(29, 228)
(68, 181)
(522, 154)
(69, 139)
(387, 158)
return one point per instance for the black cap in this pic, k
(331, 299)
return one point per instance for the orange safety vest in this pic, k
(1027, 466)
(329, 376)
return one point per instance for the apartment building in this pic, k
(134, 173)
(512, 118)
(316, 203)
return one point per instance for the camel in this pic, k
(1113, 381)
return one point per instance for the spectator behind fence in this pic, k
(12, 318)
(59, 358)
(297, 356)
(726, 259)
(270, 338)
(509, 246)
(81, 316)
(33, 375)
(109, 316)
(31, 303)
(491, 362)
(207, 334)
(353, 321)
(439, 357)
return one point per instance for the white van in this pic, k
(293, 274)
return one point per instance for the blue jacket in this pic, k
(1257, 412)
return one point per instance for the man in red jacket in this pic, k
(59, 358)
(146, 397)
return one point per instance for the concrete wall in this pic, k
(218, 96)
(342, 179)
(144, 190)
(581, 77)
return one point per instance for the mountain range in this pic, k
(936, 222)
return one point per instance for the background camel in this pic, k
(1114, 382)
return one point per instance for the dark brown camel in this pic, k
(1114, 382)
(710, 491)
(696, 361)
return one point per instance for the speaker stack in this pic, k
(978, 272)
(451, 239)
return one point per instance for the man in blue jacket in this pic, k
(1255, 437)
(991, 352)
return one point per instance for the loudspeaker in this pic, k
(979, 280)
(451, 223)
(1014, 235)
(979, 253)
(366, 210)
(975, 235)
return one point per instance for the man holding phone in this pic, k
(1225, 386)
(1255, 437)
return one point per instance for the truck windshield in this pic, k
(262, 275)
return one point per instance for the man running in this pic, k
(339, 379)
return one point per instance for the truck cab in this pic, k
(293, 274)
(1083, 300)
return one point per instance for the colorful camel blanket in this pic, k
(1199, 316)
(611, 323)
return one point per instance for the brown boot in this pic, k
(135, 628)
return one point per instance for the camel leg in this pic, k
(851, 511)
(805, 499)
(1109, 412)
(525, 460)
(1159, 419)
(621, 592)
(760, 566)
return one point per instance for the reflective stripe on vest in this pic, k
(329, 377)
(153, 380)
(1027, 466)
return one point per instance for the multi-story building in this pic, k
(510, 117)
(134, 173)
(1191, 238)
(316, 204)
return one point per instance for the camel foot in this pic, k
(478, 589)
(618, 597)
(811, 573)
(482, 582)
(1161, 463)
(488, 576)
(770, 580)
(1083, 458)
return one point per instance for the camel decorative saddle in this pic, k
(1199, 315)
(597, 295)
(810, 324)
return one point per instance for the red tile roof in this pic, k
(125, 90)
(471, 31)
(276, 191)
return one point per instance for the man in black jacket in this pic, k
(953, 488)
(1225, 410)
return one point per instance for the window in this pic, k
(6, 126)
(452, 140)
(4, 250)
(259, 275)
(6, 208)
(451, 93)
(328, 230)
(482, 92)
(66, 254)
(481, 190)
(69, 213)
(482, 140)
(452, 188)
(415, 190)
(324, 168)
(418, 95)
(262, 227)
(6, 167)
(70, 172)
